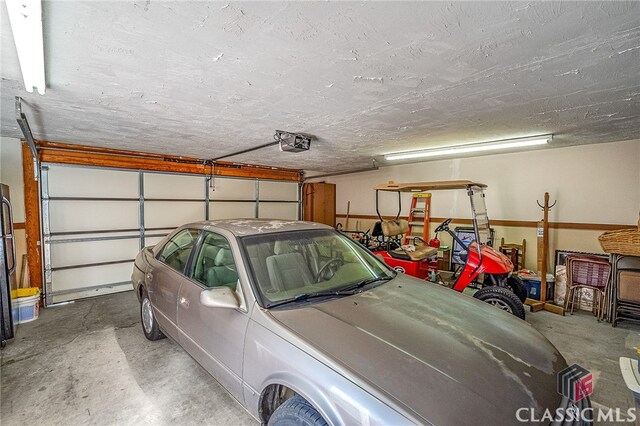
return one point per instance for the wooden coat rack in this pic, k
(543, 256)
(543, 241)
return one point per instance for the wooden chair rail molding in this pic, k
(510, 223)
(56, 152)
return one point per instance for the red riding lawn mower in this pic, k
(484, 268)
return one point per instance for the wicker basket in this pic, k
(623, 241)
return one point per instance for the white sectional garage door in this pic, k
(96, 220)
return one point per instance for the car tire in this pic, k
(501, 298)
(149, 324)
(296, 411)
(516, 285)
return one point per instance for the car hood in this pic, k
(444, 356)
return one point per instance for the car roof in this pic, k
(244, 227)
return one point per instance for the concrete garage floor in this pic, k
(595, 346)
(89, 363)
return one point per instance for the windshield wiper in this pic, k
(366, 282)
(298, 298)
(342, 292)
(303, 297)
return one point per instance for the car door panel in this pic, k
(213, 336)
(163, 284)
(164, 278)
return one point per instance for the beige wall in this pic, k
(592, 183)
(11, 174)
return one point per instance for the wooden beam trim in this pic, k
(95, 149)
(59, 146)
(165, 157)
(156, 164)
(32, 219)
(19, 225)
(511, 223)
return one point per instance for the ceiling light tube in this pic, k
(26, 23)
(468, 148)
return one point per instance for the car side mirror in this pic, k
(219, 297)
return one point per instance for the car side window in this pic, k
(176, 251)
(214, 265)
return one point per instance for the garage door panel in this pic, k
(71, 216)
(78, 279)
(280, 191)
(152, 241)
(85, 229)
(87, 282)
(231, 210)
(159, 185)
(233, 189)
(278, 210)
(70, 279)
(159, 214)
(90, 182)
(86, 252)
(81, 206)
(90, 292)
(85, 235)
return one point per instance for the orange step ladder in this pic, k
(419, 216)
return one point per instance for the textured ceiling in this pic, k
(204, 79)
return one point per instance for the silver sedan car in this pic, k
(302, 325)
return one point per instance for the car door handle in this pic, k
(184, 302)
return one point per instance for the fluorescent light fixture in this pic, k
(26, 23)
(467, 148)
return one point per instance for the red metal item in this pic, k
(418, 269)
(491, 262)
(434, 242)
(480, 259)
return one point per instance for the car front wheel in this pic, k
(296, 411)
(149, 324)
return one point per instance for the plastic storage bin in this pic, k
(534, 291)
(25, 307)
(533, 287)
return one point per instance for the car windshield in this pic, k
(292, 265)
